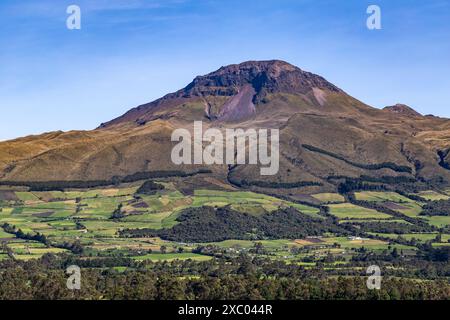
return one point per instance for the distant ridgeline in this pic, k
(60, 185)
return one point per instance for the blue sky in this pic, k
(130, 52)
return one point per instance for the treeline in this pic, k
(384, 165)
(436, 208)
(383, 179)
(208, 224)
(74, 247)
(401, 185)
(57, 185)
(273, 185)
(389, 227)
(440, 254)
(150, 188)
(239, 279)
(161, 174)
(350, 185)
(25, 236)
(101, 262)
(80, 184)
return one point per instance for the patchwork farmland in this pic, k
(101, 222)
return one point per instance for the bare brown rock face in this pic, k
(265, 77)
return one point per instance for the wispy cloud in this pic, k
(47, 8)
(108, 5)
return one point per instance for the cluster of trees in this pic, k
(401, 184)
(390, 227)
(150, 188)
(242, 278)
(101, 262)
(117, 213)
(442, 154)
(208, 224)
(440, 254)
(350, 185)
(436, 208)
(378, 166)
(26, 236)
(74, 247)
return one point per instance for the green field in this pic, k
(27, 196)
(411, 209)
(381, 197)
(248, 202)
(439, 221)
(433, 195)
(350, 211)
(329, 197)
(86, 216)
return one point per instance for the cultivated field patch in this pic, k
(350, 211)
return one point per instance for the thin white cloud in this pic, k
(119, 5)
(47, 8)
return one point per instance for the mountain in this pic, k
(325, 135)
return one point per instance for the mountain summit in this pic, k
(264, 76)
(248, 84)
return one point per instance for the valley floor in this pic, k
(122, 230)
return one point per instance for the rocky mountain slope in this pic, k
(324, 134)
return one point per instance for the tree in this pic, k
(395, 253)
(258, 248)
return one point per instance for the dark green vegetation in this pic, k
(149, 188)
(236, 278)
(436, 208)
(390, 227)
(208, 224)
(273, 185)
